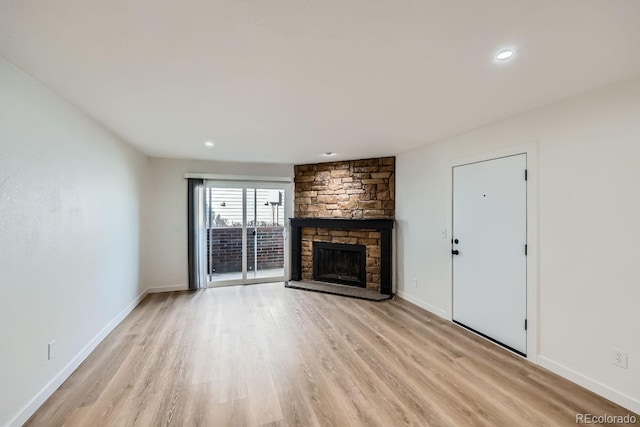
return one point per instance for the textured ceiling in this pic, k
(283, 81)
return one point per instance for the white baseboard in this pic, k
(172, 288)
(597, 387)
(430, 308)
(32, 406)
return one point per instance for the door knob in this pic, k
(455, 252)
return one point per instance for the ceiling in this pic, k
(286, 80)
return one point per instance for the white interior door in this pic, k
(488, 249)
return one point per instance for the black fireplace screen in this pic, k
(340, 263)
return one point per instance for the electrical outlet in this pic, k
(619, 358)
(414, 283)
(51, 350)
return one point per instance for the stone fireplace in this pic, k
(343, 206)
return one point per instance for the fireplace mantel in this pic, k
(384, 226)
(342, 223)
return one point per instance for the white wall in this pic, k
(588, 231)
(69, 237)
(165, 223)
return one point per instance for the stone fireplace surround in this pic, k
(370, 238)
(340, 228)
(345, 202)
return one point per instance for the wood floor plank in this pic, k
(261, 391)
(264, 355)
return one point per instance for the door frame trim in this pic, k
(531, 150)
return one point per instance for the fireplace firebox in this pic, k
(340, 263)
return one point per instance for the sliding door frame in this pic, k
(245, 185)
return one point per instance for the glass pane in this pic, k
(224, 233)
(265, 227)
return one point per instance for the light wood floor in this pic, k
(266, 355)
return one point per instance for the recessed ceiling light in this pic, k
(209, 144)
(503, 55)
(329, 154)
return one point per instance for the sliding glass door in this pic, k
(265, 233)
(246, 232)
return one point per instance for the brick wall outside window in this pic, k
(227, 248)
